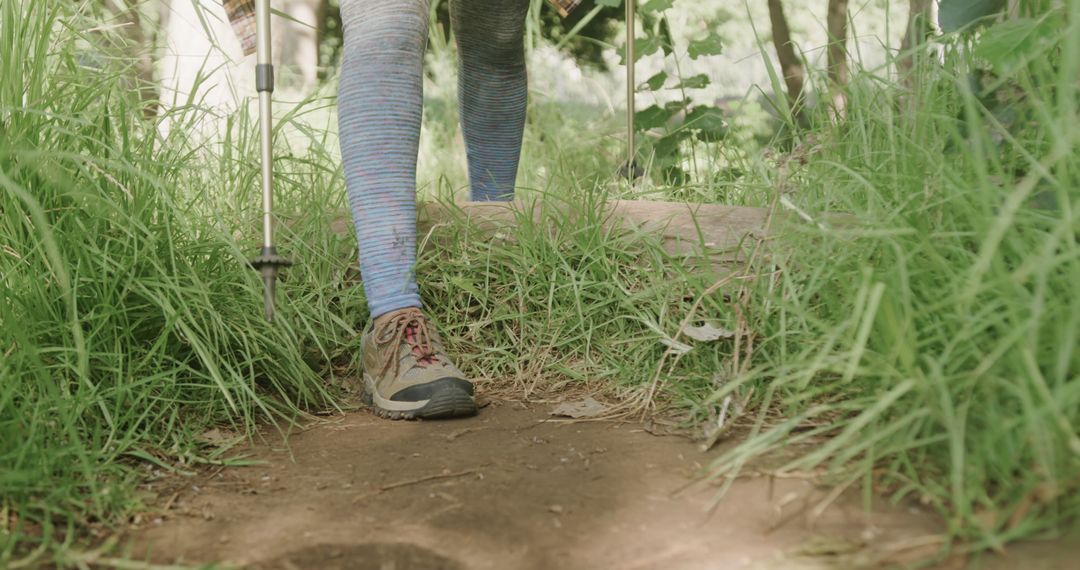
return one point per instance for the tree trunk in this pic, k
(918, 25)
(296, 43)
(200, 63)
(134, 33)
(837, 23)
(790, 64)
(204, 62)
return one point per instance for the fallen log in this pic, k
(718, 231)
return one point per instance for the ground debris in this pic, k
(707, 332)
(587, 408)
(219, 437)
(419, 480)
(458, 433)
(501, 499)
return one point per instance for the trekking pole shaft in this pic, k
(264, 80)
(630, 87)
(268, 262)
(267, 170)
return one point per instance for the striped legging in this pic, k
(380, 102)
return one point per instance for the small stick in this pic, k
(409, 482)
(169, 503)
(631, 33)
(719, 430)
(454, 435)
(819, 509)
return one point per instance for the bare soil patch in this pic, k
(510, 488)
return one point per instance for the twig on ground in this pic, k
(654, 385)
(719, 430)
(743, 275)
(814, 476)
(613, 414)
(456, 434)
(169, 503)
(418, 481)
(781, 518)
(908, 550)
(820, 508)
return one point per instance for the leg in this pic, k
(380, 103)
(493, 90)
(406, 373)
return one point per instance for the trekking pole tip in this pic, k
(267, 264)
(269, 293)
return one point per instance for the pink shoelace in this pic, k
(408, 326)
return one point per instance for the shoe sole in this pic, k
(450, 402)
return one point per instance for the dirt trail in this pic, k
(505, 490)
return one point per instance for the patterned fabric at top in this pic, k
(565, 6)
(242, 16)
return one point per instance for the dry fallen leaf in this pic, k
(676, 346)
(708, 333)
(218, 437)
(586, 408)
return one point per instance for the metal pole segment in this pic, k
(266, 129)
(267, 168)
(630, 86)
(268, 261)
(262, 31)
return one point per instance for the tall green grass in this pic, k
(931, 350)
(128, 318)
(927, 349)
(130, 322)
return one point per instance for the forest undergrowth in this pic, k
(928, 344)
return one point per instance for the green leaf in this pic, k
(653, 117)
(676, 106)
(667, 41)
(642, 47)
(668, 145)
(656, 116)
(708, 123)
(656, 6)
(465, 284)
(954, 15)
(609, 3)
(676, 175)
(710, 45)
(1008, 45)
(696, 82)
(655, 82)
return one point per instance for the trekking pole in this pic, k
(268, 261)
(630, 169)
(630, 88)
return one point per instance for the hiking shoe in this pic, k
(406, 373)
